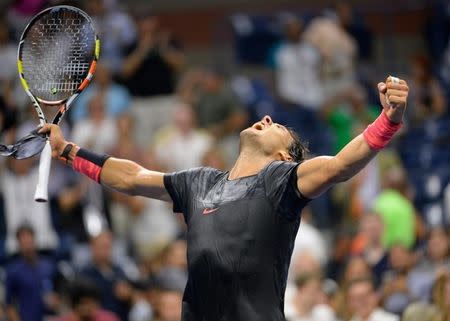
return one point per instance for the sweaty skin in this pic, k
(242, 223)
(315, 175)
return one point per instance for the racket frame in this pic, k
(41, 194)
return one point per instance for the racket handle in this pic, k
(41, 194)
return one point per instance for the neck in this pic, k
(30, 257)
(248, 164)
(104, 266)
(301, 306)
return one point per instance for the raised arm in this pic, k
(119, 174)
(317, 175)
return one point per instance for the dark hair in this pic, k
(82, 288)
(24, 228)
(297, 149)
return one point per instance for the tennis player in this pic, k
(242, 223)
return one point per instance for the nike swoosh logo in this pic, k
(207, 211)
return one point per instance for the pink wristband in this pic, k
(87, 168)
(380, 132)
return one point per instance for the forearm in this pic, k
(133, 62)
(121, 175)
(352, 159)
(317, 175)
(174, 58)
(358, 153)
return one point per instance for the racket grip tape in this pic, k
(41, 194)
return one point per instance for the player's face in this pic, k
(271, 138)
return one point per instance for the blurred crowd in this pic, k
(376, 248)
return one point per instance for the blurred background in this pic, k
(177, 81)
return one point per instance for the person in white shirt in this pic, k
(363, 302)
(307, 302)
(181, 145)
(99, 131)
(17, 184)
(297, 68)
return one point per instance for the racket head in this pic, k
(57, 54)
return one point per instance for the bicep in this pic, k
(151, 184)
(131, 178)
(315, 176)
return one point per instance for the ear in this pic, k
(284, 156)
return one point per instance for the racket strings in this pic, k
(57, 54)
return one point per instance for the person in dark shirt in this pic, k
(108, 277)
(242, 223)
(152, 63)
(84, 300)
(29, 281)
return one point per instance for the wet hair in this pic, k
(297, 149)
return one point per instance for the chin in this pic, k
(250, 137)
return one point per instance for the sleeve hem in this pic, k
(170, 189)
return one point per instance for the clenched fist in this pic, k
(393, 98)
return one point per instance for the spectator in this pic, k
(428, 99)
(441, 295)
(117, 97)
(356, 268)
(176, 255)
(303, 263)
(368, 244)
(435, 263)
(337, 50)
(437, 259)
(216, 106)
(8, 115)
(402, 284)
(20, 13)
(363, 303)
(396, 209)
(8, 54)
(29, 281)
(170, 284)
(299, 85)
(181, 145)
(297, 67)
(84, 302)
(98, 132)
(116, 30)
(153, 61)
(348, 114)
(115, 290)
(355, 26)
(18, 184)
(421, 311)
(146, 223)
(309, 239)
(306, 300)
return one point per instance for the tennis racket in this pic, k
(57, 56)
